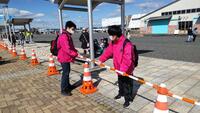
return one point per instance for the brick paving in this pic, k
(26, 89)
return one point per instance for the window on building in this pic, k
(163, 14)
(166, 13)
(170, 13)
(198, 10)
(193, 10)
(178, 12)
(188, 11)
(174, 12)
(183, 12)
(184, 25)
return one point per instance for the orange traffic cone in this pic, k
(34, 60)
(14, 53)
(161, 105)
(5, 46)
(52, 68)
(23, 55)
(87, 87)
(10, 50)
(1, 45)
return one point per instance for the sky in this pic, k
(45, 13)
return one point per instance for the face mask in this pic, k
(71, 31)
(110, 37)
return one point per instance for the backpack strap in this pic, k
(124, 44)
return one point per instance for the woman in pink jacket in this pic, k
(66, 54)
(123, 60)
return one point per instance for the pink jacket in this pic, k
(122, 60)
(66, 50)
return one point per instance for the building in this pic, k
(174, 18)
(134, 25)
(114, 21)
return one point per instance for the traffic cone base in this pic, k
(23, 55)
(52, 68)
(87, 87)
(34, 62)
(14, 54)
(160, 111)
(5, 47)
(10, 50)
(161, 105)
(52, 71)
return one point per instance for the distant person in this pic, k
(194, 34)
(21, 39)
(31, 36)
(128, 34)
(123, 56)
(14, 40)
(101, 43)
(104, 43)
(97, 49)
(1, 37)
(84, 39)
(190, 35)
(66, 54)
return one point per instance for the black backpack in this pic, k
(135, 52)
(53, 48)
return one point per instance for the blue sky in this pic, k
(46, 15)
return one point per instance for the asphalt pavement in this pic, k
(164, 47)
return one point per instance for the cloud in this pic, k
(40, 23)
(149, 5)
(129, 1)
(22, 13)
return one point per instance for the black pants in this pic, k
(194, 38)
(125, 87)
(65, 76)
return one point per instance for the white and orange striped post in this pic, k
(161, 105)
(188, 100)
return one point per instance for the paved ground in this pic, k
(164, 47)
(26, 89)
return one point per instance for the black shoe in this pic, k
(130, 99)
(71, 87)
(126, 104)
(64, 93)
(117, 97)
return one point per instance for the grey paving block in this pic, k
(181, 107)
(138, 103)
(194, 92)
(195, 109)
(184, 86)
(147, 109)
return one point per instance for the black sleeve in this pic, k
(81, 38)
